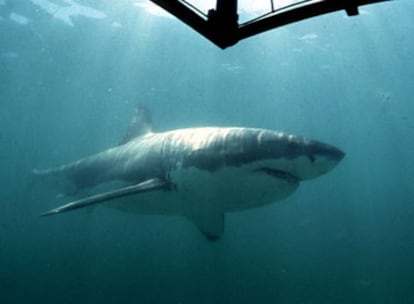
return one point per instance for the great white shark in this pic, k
(201, 173)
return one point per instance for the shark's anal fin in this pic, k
(210, 225)
(148, 185)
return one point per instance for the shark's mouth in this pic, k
(279, 174)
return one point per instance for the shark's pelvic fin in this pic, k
(210, 225)
(148, 185)
(140, 124)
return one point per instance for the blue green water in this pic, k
(69, 84)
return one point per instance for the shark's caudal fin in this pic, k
(140, 124)
(149, 185)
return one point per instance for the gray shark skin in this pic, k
(201, 173)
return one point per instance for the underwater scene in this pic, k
(186, 164)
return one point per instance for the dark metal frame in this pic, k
(221, 25)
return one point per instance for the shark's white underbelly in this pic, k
(202, 192)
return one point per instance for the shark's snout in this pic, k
(330, 152)
(322, 159)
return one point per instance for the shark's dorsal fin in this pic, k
(210, 225)
(140, 124)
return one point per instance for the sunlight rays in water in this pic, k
(68, 10)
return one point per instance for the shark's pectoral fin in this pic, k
(148, 185)
(210, 225)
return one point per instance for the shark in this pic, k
(201, 173)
